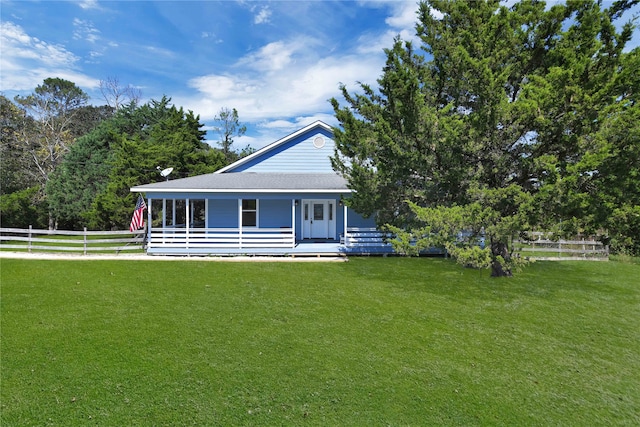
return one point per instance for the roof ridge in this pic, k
(273, 145)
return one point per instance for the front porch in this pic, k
(261, 242)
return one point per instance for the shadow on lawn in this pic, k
(540, 280)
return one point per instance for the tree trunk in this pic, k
(499, 248)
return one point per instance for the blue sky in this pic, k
(278, 63)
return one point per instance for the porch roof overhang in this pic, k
(251, 182)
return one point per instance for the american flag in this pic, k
(137, 220)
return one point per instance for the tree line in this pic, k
(502, 120)
(67, 164)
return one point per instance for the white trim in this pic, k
(293, 218)
(276, 144)
(344, 207)
(242, 190)
(206, 213)
(164, 213)
(329, 225)
(149, 217)
(241, 211)
(187, 217)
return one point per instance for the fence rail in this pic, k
(32, 239)
(540, 246)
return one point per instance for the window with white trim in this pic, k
(249, 212)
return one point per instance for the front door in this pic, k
(318, 219)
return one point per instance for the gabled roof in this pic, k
(273, 146)
(251, 182)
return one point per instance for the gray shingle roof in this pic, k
(251, 182)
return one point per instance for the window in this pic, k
(249, 213)
(198, 212)
(169, 214)
(318, 211)
(180, 206)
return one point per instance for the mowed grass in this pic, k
(375, 341)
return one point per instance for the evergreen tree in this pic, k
(141, 139)
(468, 139)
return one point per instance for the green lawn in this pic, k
(375, 341)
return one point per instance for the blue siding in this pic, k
(275, 213)
(223, 213)
(357, 220)
(297, 155)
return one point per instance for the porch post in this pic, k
(239, 223)
(149, 221)
(344, 210)
(186, 221)
(164, 219)
(293, 221)
(164, 213)
(206, 213)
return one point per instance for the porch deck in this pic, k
(262, 242)
(317, 249)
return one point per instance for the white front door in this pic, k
(319, 220)
(318, 217)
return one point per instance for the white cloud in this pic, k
(401, 21)
(211, 35)
(26, 61)
(287, 84)
(275, 56)
(404, 15)
(281, 87)
(263, 16)
(85, 30)
(89, 4)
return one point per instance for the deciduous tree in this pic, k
(228, 125)
(52, 105)
(116, 95)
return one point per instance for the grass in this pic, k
(378, 341)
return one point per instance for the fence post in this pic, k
(85, 240)
(30, 230)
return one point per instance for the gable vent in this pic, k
(318, 142)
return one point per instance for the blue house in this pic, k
(284, 199)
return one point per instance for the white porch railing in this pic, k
(364, 237)
(238, 238)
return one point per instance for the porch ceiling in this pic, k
(242, 182)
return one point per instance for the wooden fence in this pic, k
(540, 246)
(31, 240)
